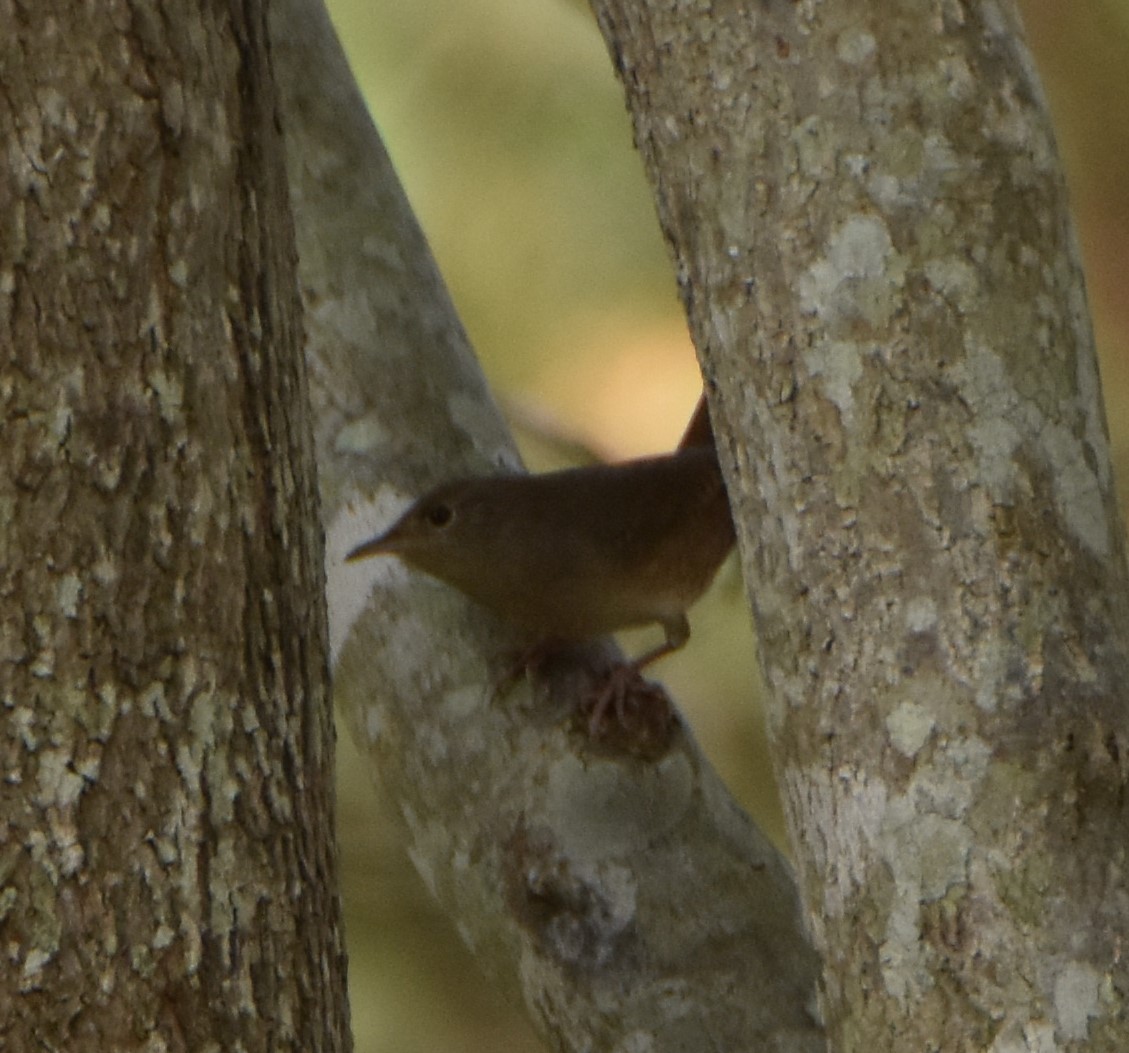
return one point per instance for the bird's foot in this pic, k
(644, 716)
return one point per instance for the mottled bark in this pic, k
(166, 852)
(870, 229)
(623, 898)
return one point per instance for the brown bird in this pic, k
(579, 553)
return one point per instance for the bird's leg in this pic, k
(616, 689)
(677, 632)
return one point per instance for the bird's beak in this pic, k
(382, 544)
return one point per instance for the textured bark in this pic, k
(624, 899)
(869, 225)
(166, 853)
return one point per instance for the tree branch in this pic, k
(622, 898)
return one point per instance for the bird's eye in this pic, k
(439, 515)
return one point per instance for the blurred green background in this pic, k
(509, 132)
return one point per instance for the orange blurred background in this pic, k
(508, 130)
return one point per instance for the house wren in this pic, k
(575, 554)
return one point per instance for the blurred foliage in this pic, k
(508, 130)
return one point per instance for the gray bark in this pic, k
(870, 230)
(615, 890)
(166, 853)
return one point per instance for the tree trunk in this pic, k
(869, 225)
(167, 853)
